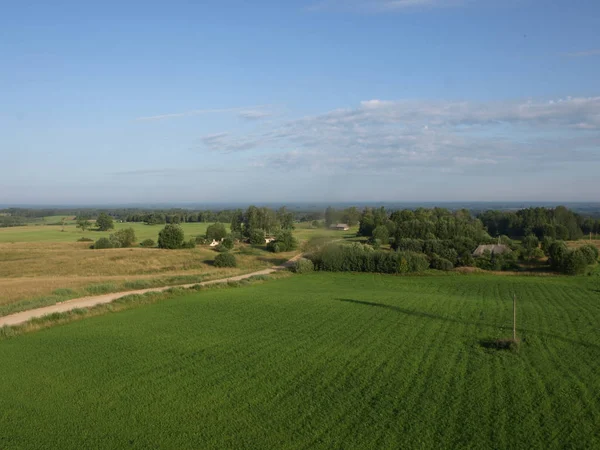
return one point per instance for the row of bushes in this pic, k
(361, 258)
(571, 261)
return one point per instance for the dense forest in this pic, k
(419, 223)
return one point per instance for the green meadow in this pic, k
(55, 233)
(318, 361)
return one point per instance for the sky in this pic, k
(302, 100)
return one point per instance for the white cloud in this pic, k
(252, 112)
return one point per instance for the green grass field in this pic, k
(53, 233)
(317, 361)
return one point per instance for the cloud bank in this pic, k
(445, 136)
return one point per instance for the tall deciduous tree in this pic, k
(104, 222)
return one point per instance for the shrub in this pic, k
(125, 237)
(225, 260)
(257, 237)
(439, 263)
(412, 262)
(574, 262)
(103, 243)
(147, 243)
(216, 231)
(361, 258)
(227, 243)
(189, 244)
(103, 288)
(171, 237)
(590, 252)
(557, 251)
(304, 265)
(200, 240)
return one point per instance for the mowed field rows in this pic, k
(317, 361)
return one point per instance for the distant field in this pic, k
(318, 361)
(53, 233)
(36, 261)
(305, 231)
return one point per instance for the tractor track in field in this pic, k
(90, 301)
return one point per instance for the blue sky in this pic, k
(268, 101)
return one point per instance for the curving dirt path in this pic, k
(87, 302)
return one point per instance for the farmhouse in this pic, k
(495, 249)
(340, 226)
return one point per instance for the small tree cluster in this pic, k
(121, 238)
(284, 242)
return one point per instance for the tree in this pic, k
(237, 221)
(530, 246)
(171, 237)
(351, 216)
(251, 220)
(216, 231)
(125, 237)
(83, 223)
(382, 234)
(285, 218)
(104, 222)
(330, 216)
(257, 237)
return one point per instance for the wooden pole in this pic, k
(514, 317)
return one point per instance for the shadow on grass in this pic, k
(414, 313)
(400, 310)
(500, 344)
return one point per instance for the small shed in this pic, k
(340, 226)
(495, 249)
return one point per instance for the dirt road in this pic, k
(87, 302)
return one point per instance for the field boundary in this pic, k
(95, 300)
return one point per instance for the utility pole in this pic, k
(514, 317)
